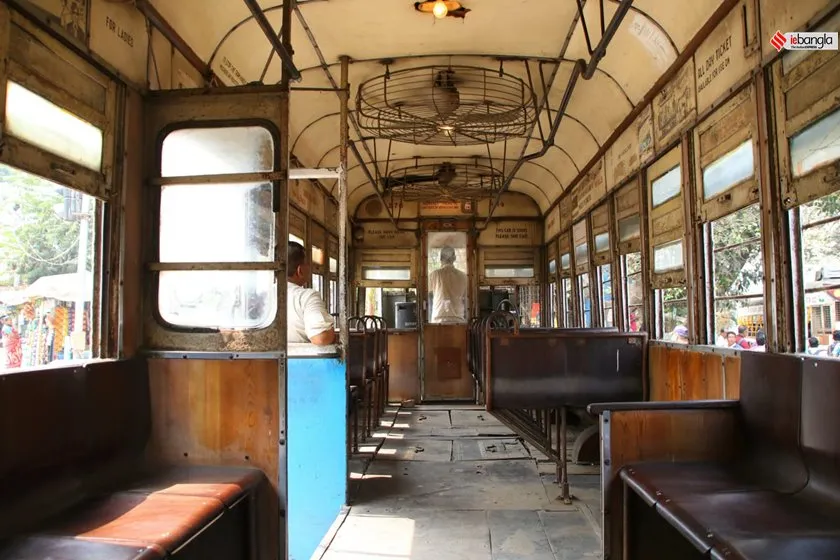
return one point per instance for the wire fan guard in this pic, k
(446, 106)
(445, 181)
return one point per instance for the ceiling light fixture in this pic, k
(442, 8)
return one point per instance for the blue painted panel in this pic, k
(317, 450)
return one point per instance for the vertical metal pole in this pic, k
(564, 481)
(344, 96)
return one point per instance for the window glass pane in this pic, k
(634, 294)
(386, 273)
(509, 272)
(675, 315)
(333, 265)
(585, 298)
(817, 145)
(230, 299)
(448, 292)
(552, 266)
(605, 273)
(554, 320)
(581, 254)
(728, 170)
(46, 270)
(333, 296)
(398, 306)
(41, 123)
(820, 257)
(318, 284)
(317, 255)
(668, 256)
(629, 228)
(529, 306)
(565, 261)
(666, 187)
(602, 242)
(214, 151)
(296, 239)
(216, 223)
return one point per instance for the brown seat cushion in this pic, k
(657, 481)
(226, 484)
(165, 520)
(38, 547)
(773, 548)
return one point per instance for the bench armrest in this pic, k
(598, 408)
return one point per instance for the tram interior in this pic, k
(581, 258)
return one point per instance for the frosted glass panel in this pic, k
(666, 187)
(216, 151)
(552, 266)
(668, 256)
(385, 273)
(629, 228)
(581, 253)
(41, 123)
(317, 255)
(728, 170)
(565, 261)
(509, 272)
(602, 242)
(815, 146)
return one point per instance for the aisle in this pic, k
(452, 482)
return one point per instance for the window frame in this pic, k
(666, 222)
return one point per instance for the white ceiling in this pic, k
(647, 42)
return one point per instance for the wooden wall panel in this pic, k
(446, 375)
(132, 215)
(403, 355)
(690, 374)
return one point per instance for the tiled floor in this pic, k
(454, 483)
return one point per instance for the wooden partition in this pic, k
(219, 412)
(692, 373)
(404, 379)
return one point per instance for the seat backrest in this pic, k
(771, 398)
(821, 425)
(356, 358)
(65, 432)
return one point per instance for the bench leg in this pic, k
(562, 464)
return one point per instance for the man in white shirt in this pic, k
(307, 316)
(449, 290)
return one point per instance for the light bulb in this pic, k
(439, 9)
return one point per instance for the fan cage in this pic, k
(446, 106)
(471, 182)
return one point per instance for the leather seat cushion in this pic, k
(166, 520)
(775, 548)
(226, 484)
(40, 547)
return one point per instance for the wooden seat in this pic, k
(768, 488)
(76, 485)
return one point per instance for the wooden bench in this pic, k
(754, 478)
(74, 482)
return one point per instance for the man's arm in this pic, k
(317, 321)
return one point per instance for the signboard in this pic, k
(631, 150)
(228, 71)
(72, 15)
(384, 234)
(722, 59)
(309, 198)
(508, 233)
(446, 208)
(591, 189)
(552, 223)
(118, 34)
(372, 209)
(675, 107)
(510, 204)
(565, 213)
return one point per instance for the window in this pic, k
(528, 301)
(240, 296)
(585, 300)
(565, 261)
(634, 298)
(47, 249)
(509, 272)
(373, 272)
(816, 146)
(668, 256)
(581, 254)
(567, 303)
(666, 187)
(317, 255)
(738, 273)
(629, 228)
(674, 308)
(602, 242)
(333, 297)
(39, 122)
(605, 286)
(552, 266)
(398, 306)
(294, 238)
(820, 258)
(551, 307)
(728, 170)
(333, 265)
